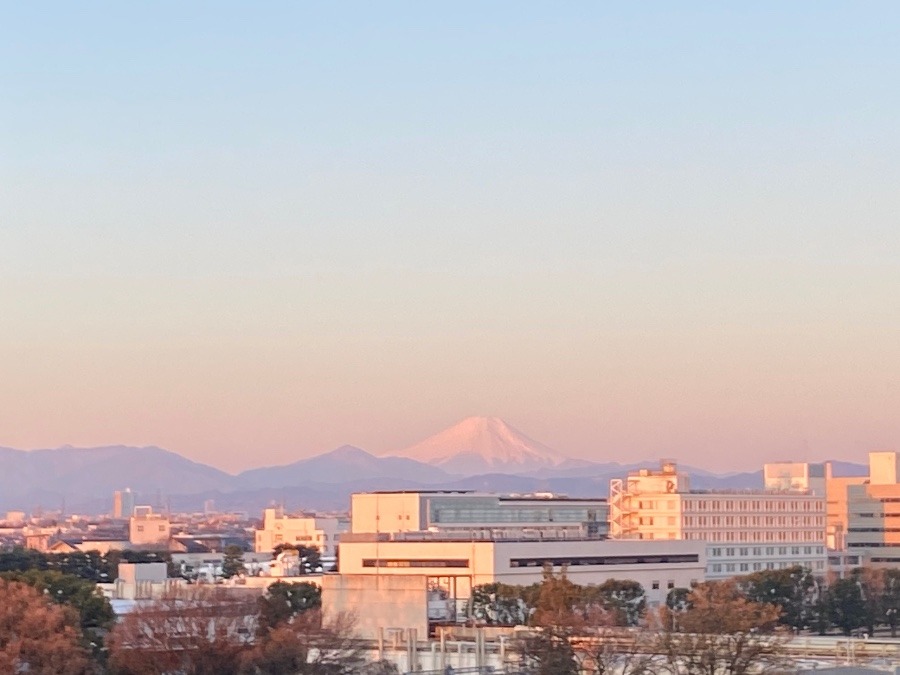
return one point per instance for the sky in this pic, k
(250, 233)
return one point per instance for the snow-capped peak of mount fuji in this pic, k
(481, 445)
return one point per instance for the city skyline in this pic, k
(629, 231)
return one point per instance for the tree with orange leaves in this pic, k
(37, 636)
(720, 631)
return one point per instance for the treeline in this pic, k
(867, 599)
(89, 565)
(196, 630)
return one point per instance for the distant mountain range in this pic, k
(476, 454)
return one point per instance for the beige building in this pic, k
(744, 531)
(457, 564)
(797, 476)
(480, 514)
(836, 510)
(147, 529)
(323, 533)
(873, 512)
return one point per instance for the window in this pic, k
(382, 562)
(655, 585)
(575, 561)
(670, 584)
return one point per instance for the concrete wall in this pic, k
(387, 512)
(149, 530)
(378, 602)
(884, 468)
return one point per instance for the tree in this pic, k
(233, 562)
(307, 645)
(612, 650)
(36, 636)
(890, 600)
(548, 649)
(847, 606)
(720, 631)
(624, 601)
(498, 604)
(283, 601)
(193, 631)
(83, 596)
(793, 589)
(310, 560)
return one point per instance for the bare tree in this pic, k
(308, 645)
(719, 631)
(194, 631)
(36, 636)
(607, 650)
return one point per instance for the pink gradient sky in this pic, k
(233, 236)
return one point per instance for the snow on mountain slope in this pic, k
(483, 444)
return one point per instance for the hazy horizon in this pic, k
(650, 460)
(259, 233)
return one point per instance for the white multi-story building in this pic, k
(457, 564)
(323, 533)
(744, 531)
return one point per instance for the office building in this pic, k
(123, 504)
(873, 512)
(743, 531)
(480, 514)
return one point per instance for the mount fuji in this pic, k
(478, 445)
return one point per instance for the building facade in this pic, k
(873, 513)
(147, 529)
(743, 531)
(480, 514)
(323, 533)
(455, 565)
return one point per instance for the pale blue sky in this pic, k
(664, 229)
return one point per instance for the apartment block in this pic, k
(743, 531)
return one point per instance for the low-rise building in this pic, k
(323, 533)
(456, 564)
(147, 529)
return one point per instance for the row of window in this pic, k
(718, 568)
(384, 562)
(758, 536)
(755, 505)
(754, 521)
(573, 561)
(769, 550)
